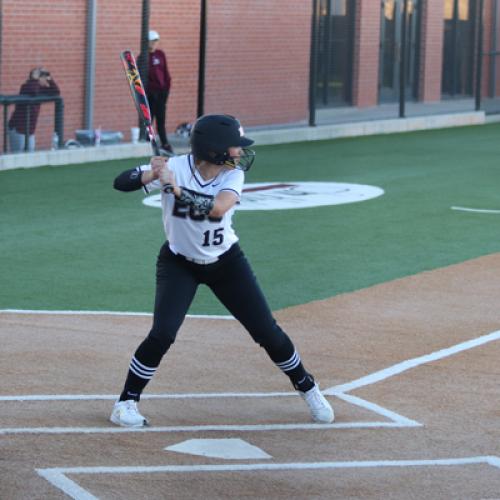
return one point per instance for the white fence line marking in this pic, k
(412, 363)
(57, 476)
(106, 313)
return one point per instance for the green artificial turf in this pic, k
(69, 241)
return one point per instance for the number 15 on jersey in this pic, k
(213, 237)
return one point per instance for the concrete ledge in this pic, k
(77, 155)
(355, 129)
(262, 137)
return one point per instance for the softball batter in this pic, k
(199, 195)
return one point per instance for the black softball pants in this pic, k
(232, 281)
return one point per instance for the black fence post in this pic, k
(479, 57)
(143, 62)
(313, 65)
(202, 56)
(5, 125)
(59, 121)
(402, 62)
(27, 129)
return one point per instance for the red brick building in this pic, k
(258, 55)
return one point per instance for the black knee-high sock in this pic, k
(287, 359)
(142, 368)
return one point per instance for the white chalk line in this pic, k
(57, 476)
(66, 485)
(200, 428)
(380, 410)
(106, 313)
(113, 397)
(412, 363)
(477, 210)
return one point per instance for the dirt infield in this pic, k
(411, 367)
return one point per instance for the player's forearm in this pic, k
(221, 205)
(223, 202)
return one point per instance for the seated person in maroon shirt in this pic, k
(39, 82)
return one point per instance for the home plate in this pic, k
(230, 449)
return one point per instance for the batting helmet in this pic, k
(213, 135)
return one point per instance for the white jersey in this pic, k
(197, 236)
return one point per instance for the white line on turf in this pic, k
(57, 476)
(477, 210)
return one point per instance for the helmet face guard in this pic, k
(242, 162)
(213, 135)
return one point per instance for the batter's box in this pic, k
(242, 476)
(191, 413)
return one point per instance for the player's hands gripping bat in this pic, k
(139, 96)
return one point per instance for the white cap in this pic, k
(153, 35)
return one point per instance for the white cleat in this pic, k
(320, 408)
(126, 414)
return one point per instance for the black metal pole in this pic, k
(202, 59)
(494, 50)
(143, 61)
(402, 62)
(90, 43)
(59, 121)
(313, 65)
(1, 38)
(327, 31)
(27, 129)
(454, 47)
(5, 125)
(479, 56)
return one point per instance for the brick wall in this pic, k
(431, 50)
(488, 46)
(366, 53)
(258, 59)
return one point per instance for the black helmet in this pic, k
(212, 136)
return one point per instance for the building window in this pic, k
(458, 48)
(391, 49)
(335, 52)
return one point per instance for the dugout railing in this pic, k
(10, 100)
